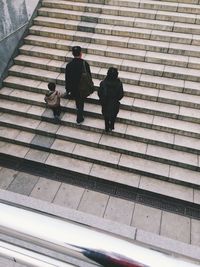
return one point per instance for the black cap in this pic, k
(76, 51)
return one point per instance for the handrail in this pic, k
(25, 256)
(80, 241)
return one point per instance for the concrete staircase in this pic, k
(155, 149)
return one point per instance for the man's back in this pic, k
(73, 74)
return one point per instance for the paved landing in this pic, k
(102, 205)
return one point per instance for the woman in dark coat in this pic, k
(110, 92)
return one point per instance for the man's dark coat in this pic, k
(73, 73)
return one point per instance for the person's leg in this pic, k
(56, 113)
(80, 108)
(107, 124)
(112, 123)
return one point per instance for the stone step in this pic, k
(108, 24)
(148, 68)
(128, 68)
(132, 78)
(118, 38)
(80, 158)
(185, 16)
(135, 45)
(153, 57)
(105, 147)
(7, 106)
(139, 92)
(128, 104)
(170, 5)
(196, 2)
(136, 79)
(136, 133)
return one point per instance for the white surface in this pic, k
(30, 7)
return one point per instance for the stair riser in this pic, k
(172, 62)
(42, 55)
(172, 5)
(136, 13)
(96, 40)
(137, 109)
(105, 163)
(122, 106)
(134, 33)
(39, 66)
(125, 107)
(129, 23)
(180, 103)
(93, 28)
(81, 141)
(120, 55)
(126, 93)
(77, 156)
(137, 46)
(185, 1)
(136, 57)
(161, 71)
(133, 81)
(36, 77)
(122, 120)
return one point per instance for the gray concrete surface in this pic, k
(14, 16)
(102, 205)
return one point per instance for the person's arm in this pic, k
(67, 74)
(58, 94)
(99, 92)
(66, 78)
(121, 91)
(88, 68)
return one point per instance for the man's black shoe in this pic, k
(80, 122)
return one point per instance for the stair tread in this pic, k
(126, 25)
(153, 4)
(129, 103)
(80, 6)
(138, 147)
(86, 167)
(144, 106)
(137, 45)
(124, 64)
(28, 83)
(163, 82)
(120, 63)
(149, 56)
(129, 25)
(121, 41)
(141, 92)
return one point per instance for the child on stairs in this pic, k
(52, 99)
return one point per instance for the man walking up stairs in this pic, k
(150, 163)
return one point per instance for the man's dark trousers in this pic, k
(80, 108)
